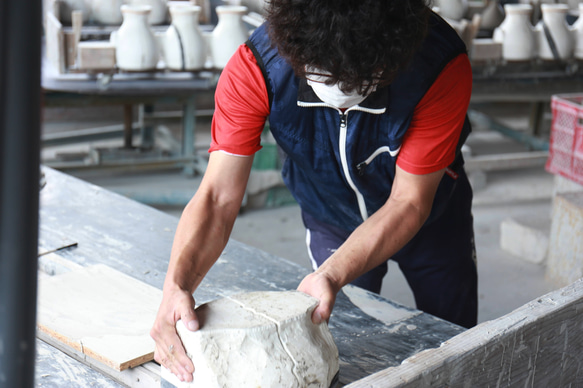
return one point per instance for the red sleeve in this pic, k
(241, 106)
(430, 143)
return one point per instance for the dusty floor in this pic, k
(505, 281)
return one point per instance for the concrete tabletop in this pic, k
(372, 333)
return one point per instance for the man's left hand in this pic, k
(321, 287)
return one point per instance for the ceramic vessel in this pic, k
(516, 33)
(577, 34)
(159, 13)
(184, 46)
(229, 33)
(68, 6)
(135, 45)
(492, 15)
(554, 18)
(452, 9)
(107, 12)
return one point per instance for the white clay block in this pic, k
(96, 55)
(486, 50)
(259, 339)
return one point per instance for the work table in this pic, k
(372, 333)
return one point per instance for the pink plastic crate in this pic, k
(566, 143)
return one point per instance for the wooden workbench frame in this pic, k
(538, 345)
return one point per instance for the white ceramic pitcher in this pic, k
(107, 12)
(229, 33)
(554, 18)
(159, 12)
(516, 33)
(135, 45)
(184, 46)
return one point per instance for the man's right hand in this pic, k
(176, 304)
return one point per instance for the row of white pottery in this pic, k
(523, 42)
(108, 12)
(182, 46)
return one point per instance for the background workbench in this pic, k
(371, 333)
(128, 90)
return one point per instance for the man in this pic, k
(368, 100)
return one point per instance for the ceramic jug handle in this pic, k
(113, 38)
(551, 41)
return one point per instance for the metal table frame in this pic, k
(127, 90)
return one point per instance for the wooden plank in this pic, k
(101, 313)
(538, 345)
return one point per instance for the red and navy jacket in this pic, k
(340, 165)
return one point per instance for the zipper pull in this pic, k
(343, 120)
(361, 167)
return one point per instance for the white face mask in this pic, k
(331, 94)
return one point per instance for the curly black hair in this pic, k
(359, 42)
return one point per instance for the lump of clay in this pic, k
(259, 339)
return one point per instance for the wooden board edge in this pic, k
(143, 376)
(116, 365)
(66, 341)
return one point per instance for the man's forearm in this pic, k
(388, 230)
(206, 222)
(373, 242)
(202, 233)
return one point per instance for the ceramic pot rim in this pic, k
(231, 9)
(186, 8)
(554, 7)
(518, 8)
(136, 9)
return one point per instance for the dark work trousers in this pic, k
(439, 263)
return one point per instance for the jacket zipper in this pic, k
(343, 161)
(342, 146)
(362, 165)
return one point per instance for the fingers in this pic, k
(317, 317)
(173, 357)
(169, 350)
(323, 311)
(190, 320)
(321, 288)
